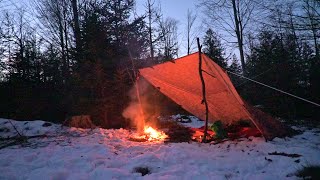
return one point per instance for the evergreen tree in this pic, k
(51, 65)
(236, 68)
(264, 65)
(280, 61)
(212, 47)
(315, 84)
(110, 38)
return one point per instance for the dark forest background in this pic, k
(80, 56)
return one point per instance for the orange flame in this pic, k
(152, 134)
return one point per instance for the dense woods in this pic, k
(78, 57)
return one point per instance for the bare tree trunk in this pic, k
(66, 51)
(62, 43)
(21, 42)
(188, 33)
(239, 34)
(150, 29)
(311, 17)
(315, 42)
(204, 100)
(76, 29)
(66, 45)
(190, 20)
(21, 49)
(293, 30)
(188, 42)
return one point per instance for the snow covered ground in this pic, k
(70, 153)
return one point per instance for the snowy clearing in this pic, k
(71, 153)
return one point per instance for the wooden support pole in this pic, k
(204, 100)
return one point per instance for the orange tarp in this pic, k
(180, 81)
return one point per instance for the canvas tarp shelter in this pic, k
(180, 81)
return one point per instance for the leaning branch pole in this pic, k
(204, 100)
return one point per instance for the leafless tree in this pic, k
(190, 23)
(14, 40)
(301, 18)
(7, 30)
(2, 41)
(20, 46)
(232, 17)
(76, 28)
(169, 40)
(312, 12)
(55, 16)
(154, 15)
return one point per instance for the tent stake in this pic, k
(204, 100)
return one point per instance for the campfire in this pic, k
(152, 134)
(139, 116)
(149, 134)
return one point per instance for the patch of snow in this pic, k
(72, 153)
(195, 122)
(26, 128)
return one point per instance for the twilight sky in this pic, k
(177, 9)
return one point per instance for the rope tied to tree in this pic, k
(276, 89)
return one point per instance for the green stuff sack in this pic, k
(217, 127)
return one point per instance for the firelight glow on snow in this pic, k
(73, 153)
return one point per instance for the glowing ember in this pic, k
(148, 134)
(152, 134)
